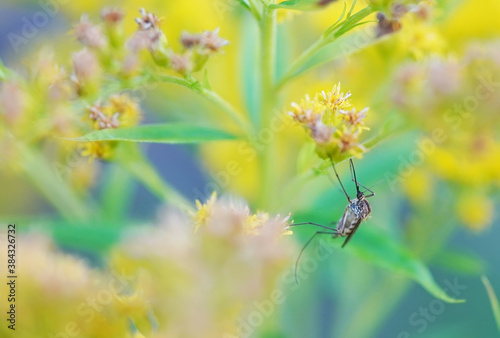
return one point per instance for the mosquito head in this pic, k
(360, 195)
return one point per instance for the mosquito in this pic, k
(358, 209)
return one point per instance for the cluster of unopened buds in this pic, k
(197, 47)
(332, 124)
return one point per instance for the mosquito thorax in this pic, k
(360, 206)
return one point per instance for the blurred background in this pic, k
(437, 172)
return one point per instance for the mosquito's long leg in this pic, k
(315, 224)
(353, 174)
(338, 178)
(367, 189)
(305, 246)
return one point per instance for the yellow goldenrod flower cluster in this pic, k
(455, 102)
(209, 276)
(332, 123)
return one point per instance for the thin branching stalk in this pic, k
(208, 94)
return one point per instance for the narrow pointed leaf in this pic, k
(302, 5)
(373, 245)
(159, 133)
(493, 300)
(244, 4)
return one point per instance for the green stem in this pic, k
(213, 97)
(116, 194)
(254, 9)
(301, 61)
(331, 35)
(268, 28)
(208, 94)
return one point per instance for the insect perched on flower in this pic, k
(356, 211)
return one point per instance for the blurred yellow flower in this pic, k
(475, 210)
(207, 275)
(97, 149)
(204, 211)
(418, 186)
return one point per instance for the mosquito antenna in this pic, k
(370, 188)
(338, 178)
(374, 185)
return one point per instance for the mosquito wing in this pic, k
(356, 226)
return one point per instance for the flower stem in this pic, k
(208, 94)
(267, 60)
(330, 35)
(301, 61)
(216, 99)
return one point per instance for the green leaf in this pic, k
(91, 237)
(158, 133)
(493, 300)
(377, 247)
(244, 4)
(302, 5)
